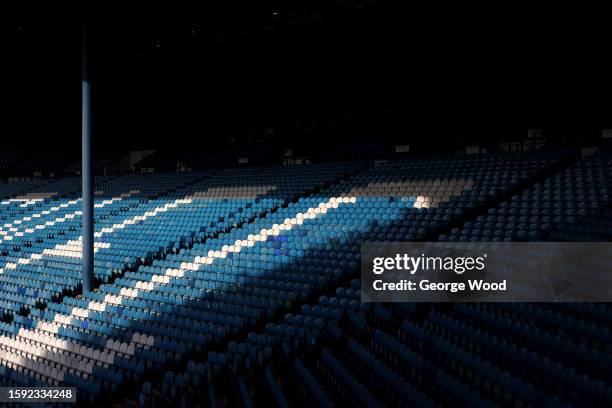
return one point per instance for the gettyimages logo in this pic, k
(413, 264)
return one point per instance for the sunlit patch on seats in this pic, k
(428, 193)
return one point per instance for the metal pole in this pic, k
(86, 173)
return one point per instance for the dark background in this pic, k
(324, 75)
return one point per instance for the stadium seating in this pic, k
(8, 158)
(237, 286)
(572, 205)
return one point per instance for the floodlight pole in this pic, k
(86, 173)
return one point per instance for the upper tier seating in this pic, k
(8, 158)
(16, 190)
(572, 205)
